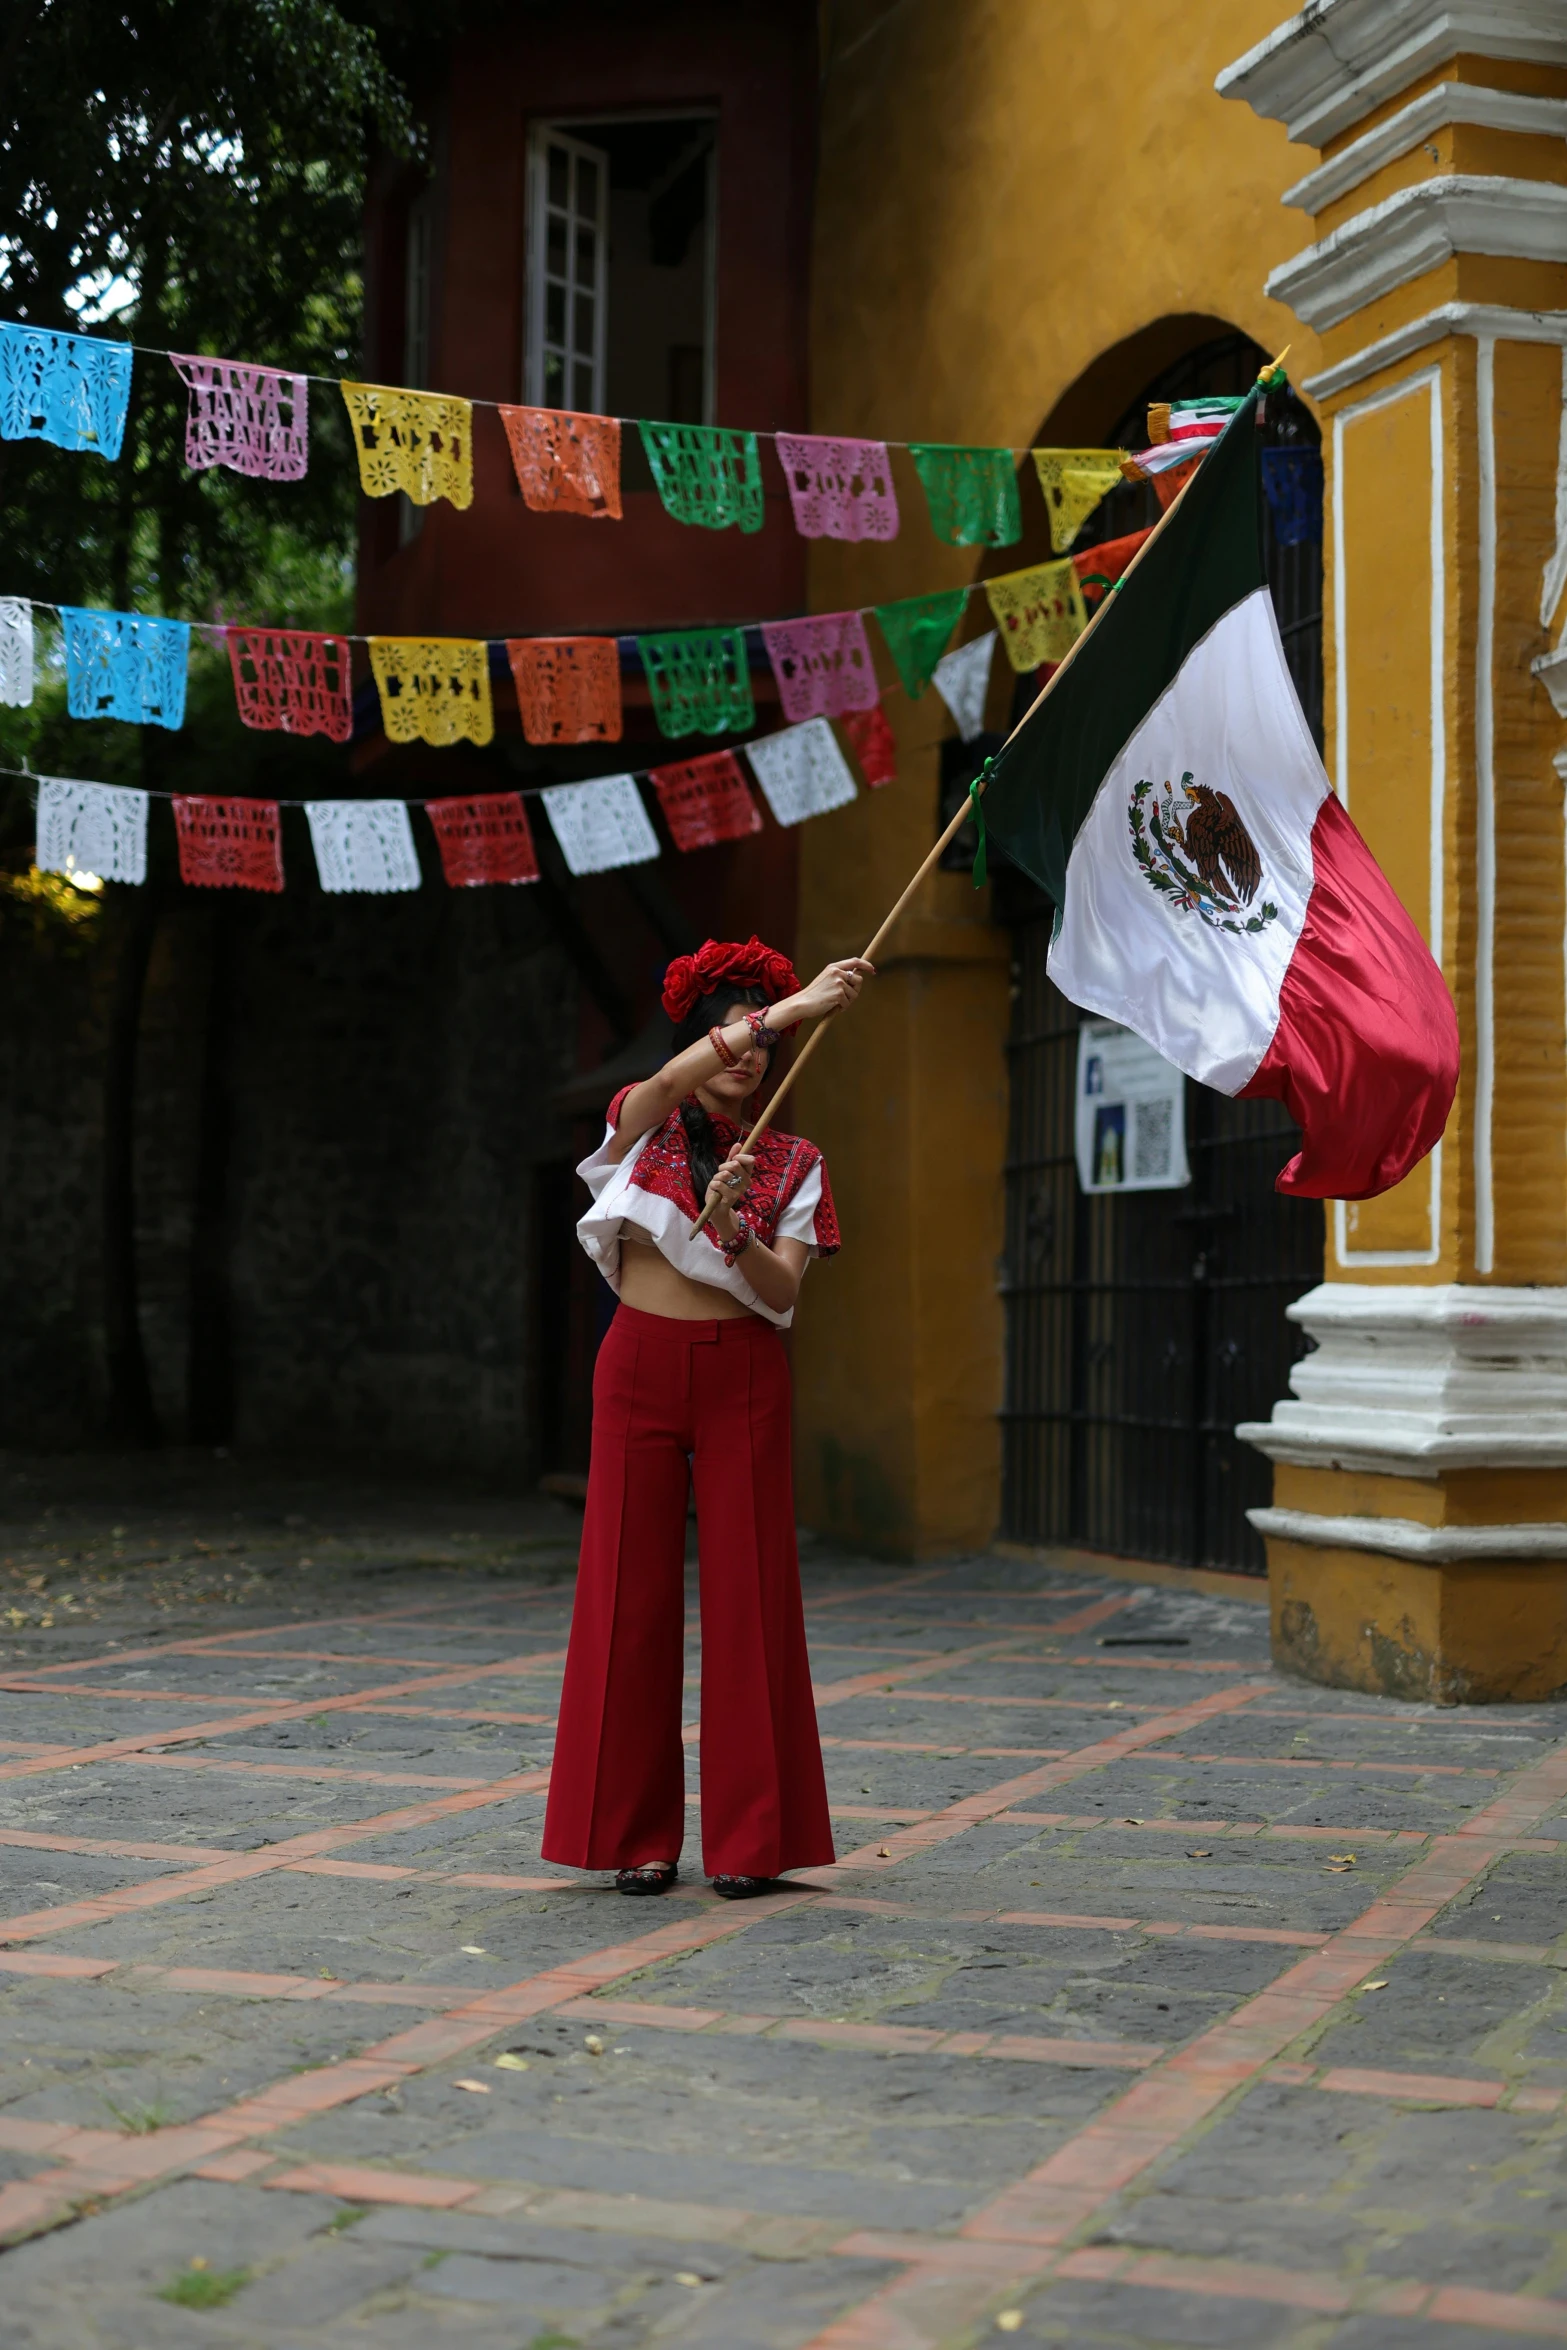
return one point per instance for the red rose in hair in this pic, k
(690, 977)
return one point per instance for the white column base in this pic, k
(1410, 1380)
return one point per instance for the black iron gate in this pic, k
(1141, 1328)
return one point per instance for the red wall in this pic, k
(500, 570)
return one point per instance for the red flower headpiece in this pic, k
(690, 977)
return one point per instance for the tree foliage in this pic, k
(188, 173)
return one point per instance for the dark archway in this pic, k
(1141, 1328)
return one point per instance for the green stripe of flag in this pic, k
(1204, 563)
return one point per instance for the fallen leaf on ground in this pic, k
(474, 1950)
(474, 2088)
(1204, 1854)
(687, 2276)
(511, 2064)
(1344, 1859)
(593, 2044)
(882, 1852)
(1009, 2321)
(1379, 1985)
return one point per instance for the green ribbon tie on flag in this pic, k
(976, 802)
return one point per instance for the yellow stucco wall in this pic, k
(1010, 201)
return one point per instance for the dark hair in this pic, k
(701, 1142)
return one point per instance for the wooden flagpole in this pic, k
(951, 831)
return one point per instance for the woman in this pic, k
(691, 1385)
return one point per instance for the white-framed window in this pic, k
(622, 265)
(568, 270)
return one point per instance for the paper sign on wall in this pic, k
(1131, 1113)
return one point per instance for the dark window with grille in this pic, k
(1142, 1327)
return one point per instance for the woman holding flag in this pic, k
(691, 1387)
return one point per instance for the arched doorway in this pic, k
(1141, 1328)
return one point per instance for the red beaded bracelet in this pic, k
(715, 1037)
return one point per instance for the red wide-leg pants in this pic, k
(718, 1392)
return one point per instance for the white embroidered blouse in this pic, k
(651, 1188)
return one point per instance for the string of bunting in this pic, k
(95, 832)
(437, 690)
(74, 390)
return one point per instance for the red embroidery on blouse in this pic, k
(783, 1162)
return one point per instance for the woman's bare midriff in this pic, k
(650, 1284)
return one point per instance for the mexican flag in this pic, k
(1211, 893)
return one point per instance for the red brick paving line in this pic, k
(933, 1746)
(114, 1847)
(889, 2039)
(1154, 1664)
(119, 1848)
(17, 1686)
(459, 1713)
(1291, 1762)
(1099, 1705)
(221, 1643)
(955, 1818)
(938, 2302)
(32, 1682)
(898, 1676)
(288, 1710)
(1073, 1705)
(1509, 1953)
(327, 1771)
(1453, 1720)
(113, 2165)
(902, 1582)
(858, 1647)
(417, 1713)
(1262, 1830)
(1041, 1627)
(234, 1868)
(1173, 2098)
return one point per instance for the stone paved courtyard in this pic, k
(1154, 1999)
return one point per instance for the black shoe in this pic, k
(653, 1876)
(742, 1888)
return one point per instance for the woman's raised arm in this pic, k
(647, 1105)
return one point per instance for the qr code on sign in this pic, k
(1150, 1140)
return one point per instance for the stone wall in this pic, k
(342, 1105)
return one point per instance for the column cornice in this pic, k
(1473, 104)
(1482, 319)
(1329, 67)
(1417, 230)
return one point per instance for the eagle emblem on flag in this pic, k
(1192, 845)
